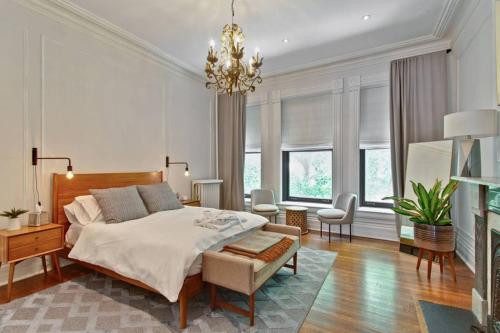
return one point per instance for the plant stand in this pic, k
(440, 255)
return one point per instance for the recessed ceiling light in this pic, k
(285, 40)
(366, 17)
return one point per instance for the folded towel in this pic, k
(218, 220)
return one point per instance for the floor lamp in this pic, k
(469, 126)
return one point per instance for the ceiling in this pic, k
(317, 30)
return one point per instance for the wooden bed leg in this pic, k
(251, 313)
(295, 264)
(183, 303)
(213, 296)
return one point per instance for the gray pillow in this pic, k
(158, 197)
(120, 204)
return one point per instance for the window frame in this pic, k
(286, 177)
(248, 195)
(362, 201)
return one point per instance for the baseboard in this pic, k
(465, 248)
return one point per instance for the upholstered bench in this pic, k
(244, 274)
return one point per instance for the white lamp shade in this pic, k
(474, 124)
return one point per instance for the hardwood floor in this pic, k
(372, 287)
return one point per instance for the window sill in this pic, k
(379, 210)
(305, 204)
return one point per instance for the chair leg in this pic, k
(329, 233)
(320, 229)
(350, 233)
(340, 231)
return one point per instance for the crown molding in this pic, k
(445, 18)
(356, 56)
(371, 59)
(65, 11)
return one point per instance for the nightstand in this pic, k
(191, 202)
(29, 242)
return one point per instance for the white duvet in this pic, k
(159, 249)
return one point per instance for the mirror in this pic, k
(497, 8)
(426, 162)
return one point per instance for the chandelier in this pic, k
(231, 73)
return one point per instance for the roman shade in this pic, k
(307, 122)
(374, 120)
(252, 136)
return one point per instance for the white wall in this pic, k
(344, 82)
(71, 88)
(473, 86)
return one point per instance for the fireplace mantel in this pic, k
(485, 203)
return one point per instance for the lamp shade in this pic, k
(474, 124)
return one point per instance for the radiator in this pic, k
(207, 191)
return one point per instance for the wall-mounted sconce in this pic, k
(35, 158)
(186, 170)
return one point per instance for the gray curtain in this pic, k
(418, 105)
(231, 149)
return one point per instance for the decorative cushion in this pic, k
(158, 197)
(120, 204)
(332, 213)
(265, 208)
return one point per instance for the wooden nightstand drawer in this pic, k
(191, 202)
(35, 248)
(34, 237)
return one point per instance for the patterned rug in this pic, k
(95, 303)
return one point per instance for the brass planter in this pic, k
(434, 238)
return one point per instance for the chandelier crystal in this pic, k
(230, 72)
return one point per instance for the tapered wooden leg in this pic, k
(55, 263)
(340, 231)
(44, 264)
(441, 263)
(429, 264)
(350, 233)
(320, 229)
(12, 267)
(251, 312)
(420, 254)
(329, 233)
(213, 296)
(183, 303)
(295, 264)
(452, 266)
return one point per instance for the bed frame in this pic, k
(64, 191)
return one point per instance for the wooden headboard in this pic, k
(65, 190)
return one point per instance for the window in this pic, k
(376, 177)
(374, 138)
(307, 146)
(307, 175)
(252, 172)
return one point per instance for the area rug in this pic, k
(96, 303)
(438, 318)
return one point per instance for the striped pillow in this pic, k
(120, 204)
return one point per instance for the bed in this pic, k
(80, 249)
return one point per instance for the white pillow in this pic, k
(91, 207)
(76, 214)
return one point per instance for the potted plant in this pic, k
(430, 215)
(14, 220)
